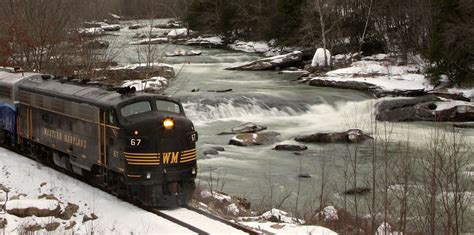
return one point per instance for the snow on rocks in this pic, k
(248, 139)
(158, 40)
(381, 78)
(179, 33)
(154, 84)
(276, 215)
(183, 53)
(251, 47)
(329, 213)
(215, 195)
(91, 31)
(425, 108)
(321, 58)
(281, 61)
(205, 41)
(233, 209)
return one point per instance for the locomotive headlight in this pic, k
(135, 132)
(148, 175)
(168, 123)
(193, 171)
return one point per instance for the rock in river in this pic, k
(290, 147)
(426, 108)
(350, 136)
(248, 127)
(247, 139)
(281, 61)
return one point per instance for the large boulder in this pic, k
(281, 61)
(247, 127)
(350, 136)
(248, 139)
(320, 59)
(426, 108)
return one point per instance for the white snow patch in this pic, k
(384, 76)
(469, 93)
(290, 229)
(282, 216)
(150, 41)
(42, 204)
(94, 30)
(451, 104)
(182, 32)
(319, 58)
(206, 40)
(154, 83)
(329, 213)
(218, 196)
(111, 27)
(233, 209)
(251, 47)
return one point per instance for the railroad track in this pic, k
(202, 222)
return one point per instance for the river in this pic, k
(284, 106)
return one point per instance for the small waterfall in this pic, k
(234, 108)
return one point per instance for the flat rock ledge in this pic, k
(349, 136)
(426, 108)
(276, 62)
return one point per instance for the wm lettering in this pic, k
(170, 157)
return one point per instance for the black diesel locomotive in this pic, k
(139, 145)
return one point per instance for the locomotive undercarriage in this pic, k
(167, 191)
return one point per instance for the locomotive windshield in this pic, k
(144, 106)
(167, 106)
(135, 108)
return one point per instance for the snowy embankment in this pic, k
(90, 210)
(378, 76)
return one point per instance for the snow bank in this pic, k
(22, 175)
(319, 58)
(251, 47)
(384, 76)
(152, 84)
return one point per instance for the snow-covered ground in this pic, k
(28, 180)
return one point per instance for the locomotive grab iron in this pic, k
(137, 144)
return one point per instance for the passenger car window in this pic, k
(135, 108)
(167, 106)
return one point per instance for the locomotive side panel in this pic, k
(63, 125)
